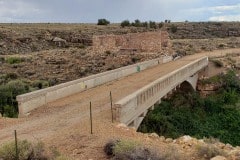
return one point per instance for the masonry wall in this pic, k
(144, 42)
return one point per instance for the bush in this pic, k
(128, 150)
(124, 146)
(209, 151)
(13, 60)
(26, 150)
(160, 25)
(8, 93)
(125, 23)
(40, 84)
(137, 23)
(173, 28)
(103, 22)
(109, 147)
(152, 24)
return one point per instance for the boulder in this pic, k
(121, 125)
(153, 135)
(169, 140)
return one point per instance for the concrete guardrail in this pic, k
(30, 101)
(134, 105)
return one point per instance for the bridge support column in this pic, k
(158, 102)
(152, 108)
(136, 123)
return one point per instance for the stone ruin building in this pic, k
(142, 42)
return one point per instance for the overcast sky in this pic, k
(89, 11)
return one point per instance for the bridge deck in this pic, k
(71, 114)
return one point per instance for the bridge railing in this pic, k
(29, 101)
(134, 105)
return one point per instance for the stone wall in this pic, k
(143, 42)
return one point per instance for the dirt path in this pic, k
(65, 122)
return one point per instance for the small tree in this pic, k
(103, 22)
(145, 24)
(137, 23)
(160, 25)
(173, 28)
(152, 24)
(125, 23)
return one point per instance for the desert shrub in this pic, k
(108, 52)
(129, 150)
(173, 28)
(125, 23)
(152, 24)
(11, 76)
(109, 147)
(62, 158)
(103, 22)
(124, 146)
(40, 84)
(82, 46)
(137, 153)
(8, 93)
(2, 59)
(221, 45)
(172, 153)
(137, 23)
(26, 150)
(13, 60)
(209, 151)
(160, 25)
(145, 24)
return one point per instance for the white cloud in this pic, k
(218, 9)
(17, 11)
(225, 18)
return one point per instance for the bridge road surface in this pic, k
(64, 115)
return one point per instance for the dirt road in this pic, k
(65, 122)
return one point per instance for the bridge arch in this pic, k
(189, 84)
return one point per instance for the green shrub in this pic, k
(128, 150)
(160, 25)
(40, 84)
(8, 93)
(26, 150)
(152, 24)
(13, 60)
(103, 22)
(173, 28)
(124, 146)
(137, 23)
(11, 76)
(125, 23)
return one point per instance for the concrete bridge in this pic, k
(132, 109)
(64, 109)
(135, 104)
